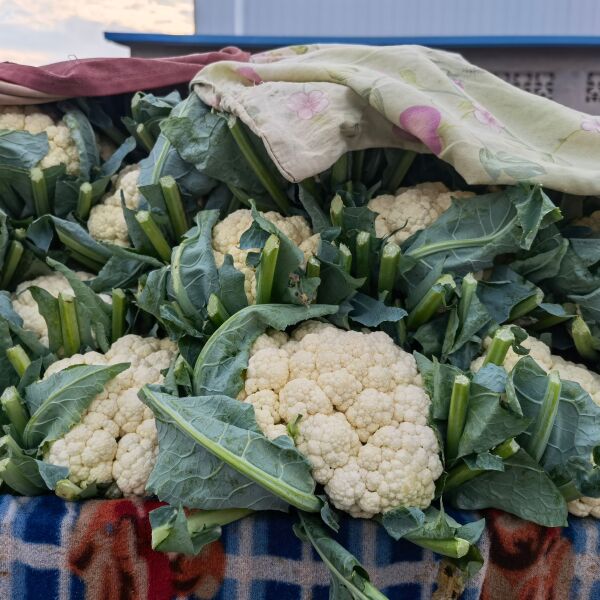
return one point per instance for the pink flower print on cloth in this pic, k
(591, 124)
(250, 74)
(485, 117)
(421, 123)
(308, 104)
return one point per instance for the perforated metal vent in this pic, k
(536, 82)
(592, 87)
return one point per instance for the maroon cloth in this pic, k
(106, 76)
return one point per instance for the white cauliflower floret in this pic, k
(116, 439)
(267, 370)
(569, 371)
(411, 209)
(362, 410)
(26, 307)
(106, 222)
(62, 146)
(227, 233)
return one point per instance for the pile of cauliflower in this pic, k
(411, 209)
(116, 439)
(360, 411)
(226, 240)
(106, 222)
(26, 307)
(62, 146)
(567, 370)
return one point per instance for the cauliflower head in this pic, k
(106, 222)
(227, 233)
(571, 371)
(62, 146)
(26, 307)
(116, 439)
(411, 209)
(360, 411)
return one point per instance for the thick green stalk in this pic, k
(536, 445)
(119, 314)
(400, 325)
(526, 306)
(69, 325)
(397, 177)
(84, 201)
(549, 321)
(388, 267)
(174, 203)
(457, 415)
(461, 473)
(261, 171)
(582, 337)
(79, 250)
(345, 258)
(313, 267)
(453, 547)
(217, 313)
(467, 292)
(67, 490)
(310, 185)
(12, 476)
(241, 196)
(336, 212)
(18, 359)
(266, 270)
(13, 408)
(154, 234)
(144, 137)
(569, 491)
(431, 303)
(363, 255)
(39, 191)
(339, 171)
(358, 161)
(503, 340)
(13, 257)
(203, 519)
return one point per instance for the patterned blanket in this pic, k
(100, 550)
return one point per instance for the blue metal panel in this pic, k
(435, 41)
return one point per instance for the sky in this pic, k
(38, 32)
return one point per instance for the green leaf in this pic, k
(57, 402)
(288, 282)
(48, 308)
(576, 430)
(319, 220)
(227, 429)
(85, 139)
(489, 422)
(231, 284)
(438, 380)
(194, 273)
(219, 367)
(371, 313)
(349, 580)
(473, 231)
(21, 149)
(93, 314)
(503, 290)
(523, 489)
(173, 531)
(203, 139)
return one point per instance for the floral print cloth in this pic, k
(310, 104)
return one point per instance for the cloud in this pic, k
(48, 31)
